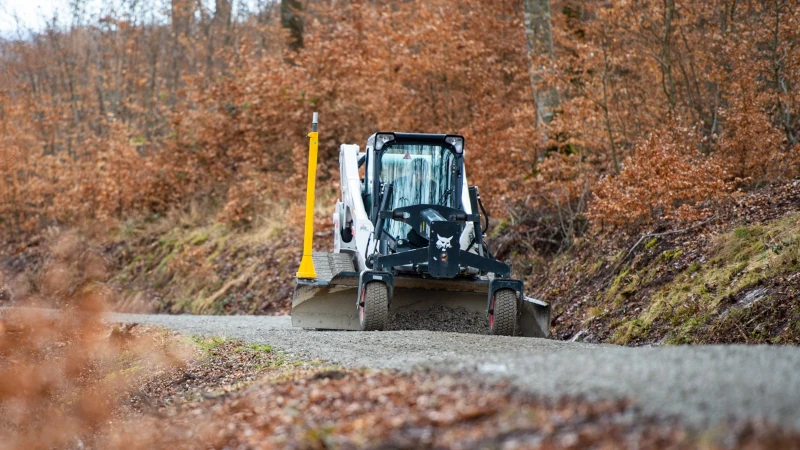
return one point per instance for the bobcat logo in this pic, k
(443, 243)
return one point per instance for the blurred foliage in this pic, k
(664, 108)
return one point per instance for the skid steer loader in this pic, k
(407, 235)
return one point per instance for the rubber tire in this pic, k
(504, 309)
(375, 299)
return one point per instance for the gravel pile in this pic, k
(440, 318)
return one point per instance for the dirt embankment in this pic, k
(732, 278)
(183, 262)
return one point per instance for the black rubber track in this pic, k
(505, 313)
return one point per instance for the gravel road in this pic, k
(701, 385)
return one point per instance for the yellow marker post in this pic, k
(307, 263)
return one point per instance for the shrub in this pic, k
(665, 177)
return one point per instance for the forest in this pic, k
(587, 123)
(639, 161)
(615, 114)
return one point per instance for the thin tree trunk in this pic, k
(781, 89)
(222, 20)
(539, 39)
(178, 15)
(293, 22)
(666, 56)
(607, 115)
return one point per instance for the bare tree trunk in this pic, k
(292, 21)
(539, 38)
(784, 110)
(605, 104)
(217, 31)
(666, 57)
(222, 19)
(180, 15)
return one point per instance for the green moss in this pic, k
(500, 229)
(681, 339)
(623, 287)
(162, 265)
(260, 348)
(612, 291)
(651, 243)
(595, 268)
(633, 329)
(168, 241)
(671, 255)
(199, 239)
(218, 245)
(741, 259)
(615, 323)
(277, 362)
(742, 244)
(595, 312)
(209, 344)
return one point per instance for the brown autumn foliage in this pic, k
(64, 372)
(664, 176)
(137, 109)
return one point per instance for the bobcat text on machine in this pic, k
(407, 234)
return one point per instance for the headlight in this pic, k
(381, 139)
(457, 142)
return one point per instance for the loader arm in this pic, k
(353, 204)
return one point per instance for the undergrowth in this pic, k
(187, 262)
(704, 291)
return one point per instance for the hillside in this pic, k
(731, 278)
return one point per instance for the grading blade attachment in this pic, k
(329, 301)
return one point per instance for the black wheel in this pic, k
(373, 307)
(503, 313)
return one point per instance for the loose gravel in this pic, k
(701, 385)
(440, 318)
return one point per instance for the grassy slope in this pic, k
(187, 263)
(734, 279)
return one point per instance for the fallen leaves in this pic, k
(349, 408)
(138, 392)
